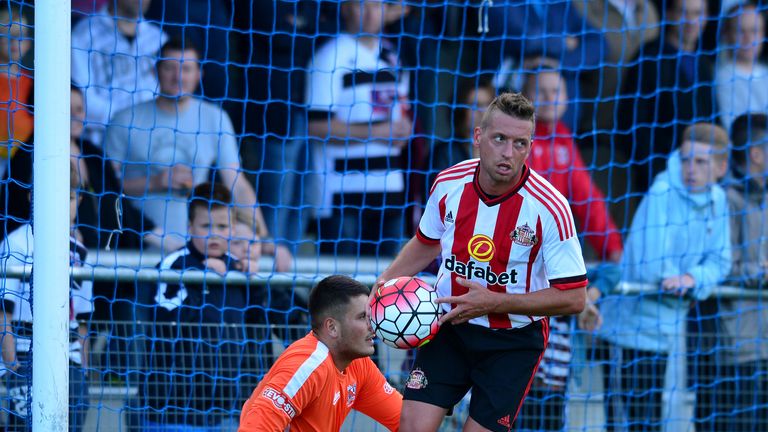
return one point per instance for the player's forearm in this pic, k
(413, 258)
(339, 132)
(547, 302)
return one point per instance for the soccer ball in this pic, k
(404, 313)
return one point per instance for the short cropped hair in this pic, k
(178, 44)
(709, 133)
(331, 296)
(748, 130)
(208, 196)
(512, 104)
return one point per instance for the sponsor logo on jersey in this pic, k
(471, 270)
(504, 421)
(449, 217)
(336, 397)
(416, 380)
(388, 389)
(524, 236)
(351, 393)
(279, 401)
(481, 247)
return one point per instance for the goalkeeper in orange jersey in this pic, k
(320, 378)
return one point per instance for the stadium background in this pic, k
(256, 57)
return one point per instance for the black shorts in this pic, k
(498, 365)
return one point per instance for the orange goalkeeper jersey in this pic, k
(304, 392)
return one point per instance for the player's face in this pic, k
(504, 146)
(178, 73)
(749, 31)
(548, 92)
(356, 338)
(364, 16)
(77, 114)
(210, 230)
(700, 168)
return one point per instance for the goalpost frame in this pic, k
(50, 201)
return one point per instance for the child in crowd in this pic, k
(679, 241)
(197, 357)
(16, 250)
(282, 305)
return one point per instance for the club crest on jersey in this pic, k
(351, 393)
(416, 380)
(524, 236)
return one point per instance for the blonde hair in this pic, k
(245, 217)
(512, 104)
(711, 134)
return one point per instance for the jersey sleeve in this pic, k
(378, 399)
(287, 389)
(431, 225)
(563, 260)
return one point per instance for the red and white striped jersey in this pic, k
(519, 242)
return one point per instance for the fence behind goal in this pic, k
(327, 122)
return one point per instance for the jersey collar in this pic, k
(489, 200)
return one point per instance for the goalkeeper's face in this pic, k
(209, 230)
(355, 333)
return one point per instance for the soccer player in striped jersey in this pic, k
(510, 258)
(319, 379)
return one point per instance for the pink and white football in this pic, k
(404, 313)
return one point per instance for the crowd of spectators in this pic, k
(321, 124)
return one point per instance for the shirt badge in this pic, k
(524, 236)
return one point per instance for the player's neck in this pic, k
(494, 188)
(339, 359)
(341, 363)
